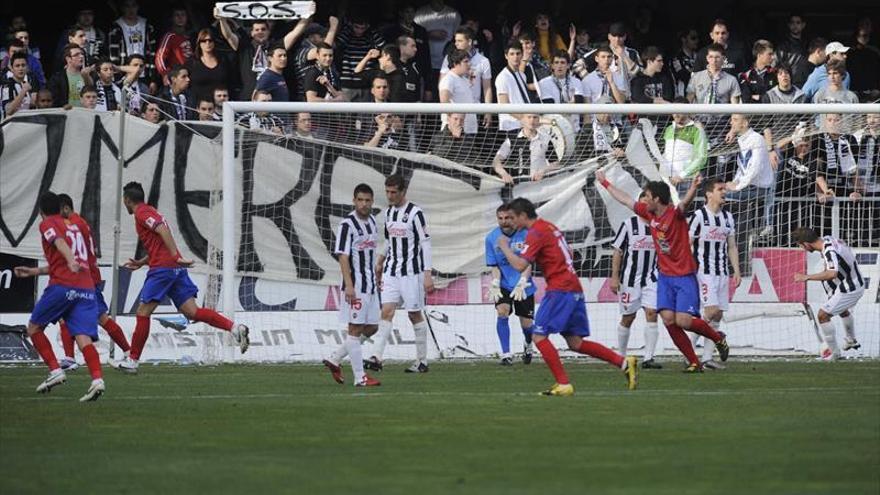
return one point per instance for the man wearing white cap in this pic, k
(819, 78)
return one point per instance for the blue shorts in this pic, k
(173, 283)
(99, 299)
(680, 294)
(563, 313)
(76, 307)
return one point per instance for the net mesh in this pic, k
(296, 173)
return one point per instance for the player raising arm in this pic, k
(167, 277)
(677, 298)
(356, 242)
(564, 309)
(843, 283)
(70, 295)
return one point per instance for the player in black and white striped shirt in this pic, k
(403, 272)
(356, 242)
(634, 280)
(843, 282)
(713, 232)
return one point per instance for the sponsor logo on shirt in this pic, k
(50, 234)
(397, 231)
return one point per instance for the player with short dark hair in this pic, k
(510, 289)
(70, 295)
(563, 309)
(167, 278)
(677, 295)
(843, 283)
(356, 242)
(403, 272)
(68, 363)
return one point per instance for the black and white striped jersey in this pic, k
(709, 232)
(406, 233)
(358, 238)
(639, 263)
(839, 257)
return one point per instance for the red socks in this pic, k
(44, 348)
(115, 332)
(66, 340)
(551, 357)
(92, 360)
(139, 339)
(701, 327)
(213, 318)
(599, 351)
(683, 343)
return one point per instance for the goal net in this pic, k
(290, 170)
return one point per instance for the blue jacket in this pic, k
(817, 80)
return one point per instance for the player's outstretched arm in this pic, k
(30, 271)
(816, 277)
(622, 197)
(134, 264)
(691, 193)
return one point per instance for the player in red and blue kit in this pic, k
(68, 363)
(563, 309)
(167, 277)
(677, 295)
(70, 295)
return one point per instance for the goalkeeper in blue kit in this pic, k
(510, 289)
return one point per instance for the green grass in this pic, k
(757, 427)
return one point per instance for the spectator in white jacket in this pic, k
(754, 175)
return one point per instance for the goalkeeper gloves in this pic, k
(495, 290)
(519, 292)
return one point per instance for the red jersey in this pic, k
(546, 245)
(52, 228)
(671, 238)
(80, 222)
(174, 49)
(146, 221)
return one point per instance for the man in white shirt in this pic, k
(480, 74)
(510, 85)
(754, 176)
(605, 80)
(455, 87)
(526, 154)
(561, 86)
(440, 20)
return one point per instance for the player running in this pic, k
(714, 236)
(563, 309)
(634, 280)
(68, 363)
(677, 298)
(843, 283)
(167, 278)
(69, 295)
(510, 288)
(356, 242)
(403, 272)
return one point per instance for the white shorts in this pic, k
(364, 310)
(632, 299)
(714, 290)
(407, 292)
(839, 302)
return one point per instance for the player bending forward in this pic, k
(510, 288)
(70, 295)
(356, 242)
(714, 234)
(563, 310)
(634, 280)
(68, 363)
(843, 283)
(677, 298)
(403, 272)
(167, 277)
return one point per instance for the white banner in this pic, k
(265, 10)
(292, 193)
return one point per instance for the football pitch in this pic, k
(773, 427)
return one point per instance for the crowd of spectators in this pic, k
(432, 53)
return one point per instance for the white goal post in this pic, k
(756, 304)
